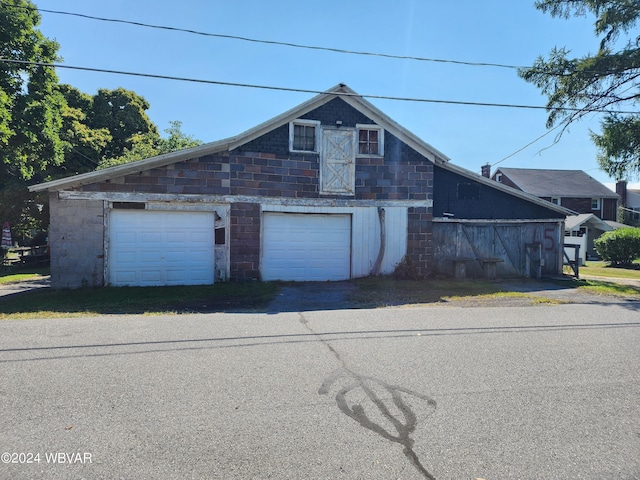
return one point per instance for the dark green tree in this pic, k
(84, 145)
(149, 145)
(607, 80)
(48, 130)
(105, 125)
(123, 113)
(30, 110)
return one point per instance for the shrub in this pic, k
(621, 246)
(405, 270)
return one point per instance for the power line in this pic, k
(311, 91)
(267, 42)
(527, 145)
(309, 47)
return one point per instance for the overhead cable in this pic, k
(311, 91)
(304, 46)
(268, 42)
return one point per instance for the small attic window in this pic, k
(370, 140)
(303, 135)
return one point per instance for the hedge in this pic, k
(619, 246)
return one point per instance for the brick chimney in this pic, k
(621, 189)
(486, 170)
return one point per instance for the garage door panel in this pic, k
(306, 247)
(150, 276)
(161, 248)
(124, 277)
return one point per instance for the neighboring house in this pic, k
(592, 202)
(582, 230)
(330, 190)
(630, 203)
(572, 189)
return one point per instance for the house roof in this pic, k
(339, 91)
(557, 183)
(616, 225)
(575, 221)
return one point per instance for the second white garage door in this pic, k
(153, 248)
(306, 247)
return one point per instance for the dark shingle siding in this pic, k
(491, 204)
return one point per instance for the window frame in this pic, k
(305, 123)
(370, 126)
(555, 200)
(595, 203)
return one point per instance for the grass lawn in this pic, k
(379, 292)
(14, 274)
(602, 269)
(369, 293)
(138, 300)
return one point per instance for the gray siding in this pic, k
(516, 244)
(76, 238)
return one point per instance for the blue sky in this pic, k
(493, 31)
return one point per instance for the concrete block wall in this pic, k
(264, 167)
(420, 239)
(76, 239)
(244, 242)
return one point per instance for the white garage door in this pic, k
(306, 247)
(152, 248)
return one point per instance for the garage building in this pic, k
(330, 190)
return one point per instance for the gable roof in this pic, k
(339, 91)
(557, 183)
(575, 221)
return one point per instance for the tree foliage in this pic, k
(605, 81)
(100, 127)
(30, 104)
(620, 246)
(49, 130)
(30, 111)
(149, 145)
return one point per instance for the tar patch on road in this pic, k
(376, 405)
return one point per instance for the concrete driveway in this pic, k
(437, 392)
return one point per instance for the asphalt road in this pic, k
(544, 392)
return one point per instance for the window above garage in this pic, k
(303, 136)
(370, 140)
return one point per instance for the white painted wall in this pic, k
(582, 241)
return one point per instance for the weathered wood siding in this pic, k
(503, 239)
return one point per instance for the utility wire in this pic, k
(267, 42)
(527, 145)
(305, 90)
(303, 46)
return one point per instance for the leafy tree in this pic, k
(84, 145)
(30, 103)
(607, 80)
(30, 110)
(99, 127)
(123, 113)
(148, 145)
(48, 130)
(619, 247)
